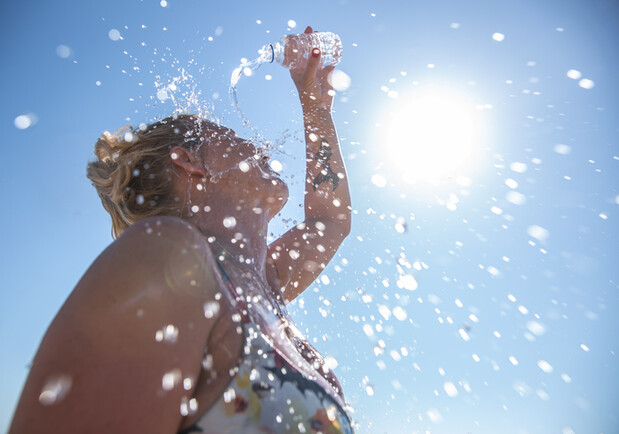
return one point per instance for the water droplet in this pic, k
(538, 232)
(331, 363)
(498, 37)
(435, 415)
(229, 222)
(518, 167)
(493, 271)
(188, 383)
(55, 389)
(339, 80)
(379, 180)
(515, 197)
(162, 95)
(399, 313)
(114, 35)
(25, 121)
(574, 74)
(207, 363)
(407, 281)
(401, 225)
(229, 395)
(369, 390)
(465, 336)
(320, 226)
(536, 328)
(292, 24)
(168, 334)
(244, 166)
(211, 309)
(513, 360)
(562, 149)
(294, 254)
(276, 166)
(450, 389)
(585, 83)
(367, 329)
(384, 311)
(545, 366)
(63, 51)
(170, 379)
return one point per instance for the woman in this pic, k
(180, 324)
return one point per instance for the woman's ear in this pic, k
(184, 159)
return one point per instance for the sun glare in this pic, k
(433, 136)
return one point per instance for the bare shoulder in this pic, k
(128, 342)
(165, 248)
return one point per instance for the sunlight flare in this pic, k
(433, 136)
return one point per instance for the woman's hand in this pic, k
(312, 82)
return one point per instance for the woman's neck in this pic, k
(237, 238)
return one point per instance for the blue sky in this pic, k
(511, 327)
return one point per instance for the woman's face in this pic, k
(240, 163)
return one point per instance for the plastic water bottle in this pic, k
(293, 50)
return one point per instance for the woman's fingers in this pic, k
(312, 66)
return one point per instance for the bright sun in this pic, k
(433, 136)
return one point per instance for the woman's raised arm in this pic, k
(304, 251)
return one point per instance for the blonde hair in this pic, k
(132, 172)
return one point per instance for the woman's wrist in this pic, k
(317, 114)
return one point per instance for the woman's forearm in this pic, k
(327, 197)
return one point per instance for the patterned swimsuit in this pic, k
(269, 395)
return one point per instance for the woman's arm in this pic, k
(115, 358)
(304, 251)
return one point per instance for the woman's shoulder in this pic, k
(158, 252)
(137, 312)
(166, 229)
(160, 237)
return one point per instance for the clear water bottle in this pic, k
(293, 51)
